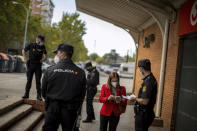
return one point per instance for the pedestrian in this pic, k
(37, 55)
(92, 82)
(113, 103)
(63, 88)
(144, 103)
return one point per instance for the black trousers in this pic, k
(31, 69)
(62, 115)
(91, 92)
(112, 120)
(143, 120)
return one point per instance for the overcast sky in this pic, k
(100, 36)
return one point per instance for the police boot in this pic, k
(26, 95)
(39, 97)
(87, 120)
(93, 117)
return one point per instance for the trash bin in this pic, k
(1, 63)
(20, 65)
(4, 62)
(11, 64)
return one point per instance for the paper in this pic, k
(129, 97)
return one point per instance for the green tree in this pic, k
(93, 56)
(100, 60)
(69, 30)
(131, 59)
(12, 21)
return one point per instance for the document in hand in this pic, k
(129, 97)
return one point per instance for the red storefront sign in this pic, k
(188, 17)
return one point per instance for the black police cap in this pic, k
(41, 37)
(145, 63)
(88, 64)
(64, 47)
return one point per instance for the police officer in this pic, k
(144, 114)
(92, 82)
(63, 88)
(37, 54)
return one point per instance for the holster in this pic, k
(138, 108)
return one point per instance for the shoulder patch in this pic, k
(144, 89)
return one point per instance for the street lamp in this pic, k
(27, 18)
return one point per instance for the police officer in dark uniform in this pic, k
(63, 88)
(37, 54)
(92, 82)
(144, 105)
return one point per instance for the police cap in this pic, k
(88, 64)
(145, 63)
(64, 47)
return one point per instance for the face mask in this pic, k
(114, 84)
(141, 73)
(41, 43)
(56, 59)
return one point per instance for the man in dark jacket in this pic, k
(92, 82)
(37, 54)
(63, 88)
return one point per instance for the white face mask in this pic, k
(114, 84)
(141, 74)
(56, 59)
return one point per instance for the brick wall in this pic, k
(153, 53)
(170, 75)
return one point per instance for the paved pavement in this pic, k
(12, 84)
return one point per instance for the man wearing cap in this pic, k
(37, 54)
(144, 103)
(63, 88)
(92, 82)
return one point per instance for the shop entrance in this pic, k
(186, 116)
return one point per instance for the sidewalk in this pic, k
(126, 120)
(12, 85)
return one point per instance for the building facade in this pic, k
(166, 33)
(43, 8)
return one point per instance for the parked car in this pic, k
(111, 68)
(126, 70)
(102, 67)
(108, 69)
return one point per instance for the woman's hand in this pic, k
(111, 97)
(132, 99)
(118, 99)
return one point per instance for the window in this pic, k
(125, 68)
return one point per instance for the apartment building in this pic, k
(43, 8)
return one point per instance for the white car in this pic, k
(126, 70)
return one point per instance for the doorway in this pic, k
(186, 115)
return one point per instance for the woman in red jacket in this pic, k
(113, 104)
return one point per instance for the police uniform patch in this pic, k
(144, 89)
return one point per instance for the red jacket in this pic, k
(110, 106)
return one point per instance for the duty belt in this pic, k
(139, 108)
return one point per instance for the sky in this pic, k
(100, 36)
